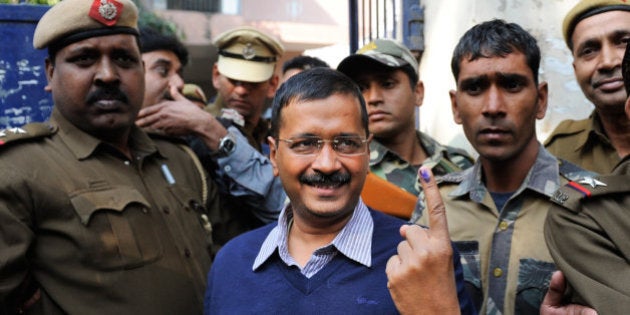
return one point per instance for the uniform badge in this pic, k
(560, 197)
(249, 52)
(592, 182)
(233, 115)
(106, 11)
(7, 132)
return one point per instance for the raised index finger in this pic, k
(435, 207)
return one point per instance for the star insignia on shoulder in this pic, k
(592, 182)
(16, 130)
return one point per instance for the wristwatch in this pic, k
(227, 145)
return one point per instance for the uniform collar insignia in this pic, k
(592, 182)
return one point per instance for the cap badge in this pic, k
(368, 47)
(249, 52)
(106, 11)
(592, 182)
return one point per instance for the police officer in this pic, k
(244, 76)
(587, 234)
(596, 32)
(97, 217)
(250, 194)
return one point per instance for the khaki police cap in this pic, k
(246, 54)
(70, 21)
(588, 8)
(387, 52)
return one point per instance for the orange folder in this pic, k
(379, 194)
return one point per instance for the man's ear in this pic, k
(456, 117)
(273, 86)
(215, 76)
(542, 100)
(419, 93)
(273, 149)
(50, 69)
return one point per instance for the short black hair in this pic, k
(496, 38)
(152, 39)
(303, 63)
(314, 84)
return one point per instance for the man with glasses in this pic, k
(327, 253)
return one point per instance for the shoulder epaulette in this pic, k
(25, 133)
(572, 171)
(574, 192)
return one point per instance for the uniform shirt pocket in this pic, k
(533, 282)
(118, 230)
(469, 253)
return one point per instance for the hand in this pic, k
(181, 117)
(421, 278)
(552, 303)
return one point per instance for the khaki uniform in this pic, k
(98, 233)
(584, 142)
(506, 266)
(587, 234)
(441, 159)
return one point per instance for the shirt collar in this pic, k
(83, 145)
(594, 135)
(353, 241)
(434, 150)
(543, 177)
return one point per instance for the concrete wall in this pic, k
(447, 20)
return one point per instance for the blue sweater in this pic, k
(343, 286)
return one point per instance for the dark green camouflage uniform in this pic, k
(442, 160)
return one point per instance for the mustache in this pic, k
(600, 79)
(320, 179)
(107, 93)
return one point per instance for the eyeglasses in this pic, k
(343, 145)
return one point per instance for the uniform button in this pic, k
(166, 210)
(503, 225)
(227, 168)
(127, 163)
(187, 252)
(498, 272)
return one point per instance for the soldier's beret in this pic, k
(587, 8)
(70, 21)
(247, 54)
